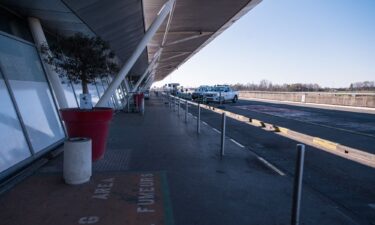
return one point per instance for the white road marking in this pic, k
(216, 130)
(204, 123)
(237, 143)
(88, 220)
(274, 168)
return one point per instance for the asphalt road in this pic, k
(346, 183)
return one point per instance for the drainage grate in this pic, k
(114, 160)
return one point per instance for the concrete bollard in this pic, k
(77, 160)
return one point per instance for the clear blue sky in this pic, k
(328, 42)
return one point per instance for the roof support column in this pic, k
(167, 7)
(127, 86)
(40, 39)
(148, 82)
(147, 71)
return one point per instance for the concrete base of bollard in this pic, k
(77, 160)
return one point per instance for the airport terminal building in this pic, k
(150, 38)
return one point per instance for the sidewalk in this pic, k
(158, 170)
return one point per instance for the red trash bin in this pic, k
(138, 98)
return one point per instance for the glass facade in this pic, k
(69, 93)
(14, 25)
(21, 65)
(14, 147)
(94, 93)
(29, 120)
(21, 68)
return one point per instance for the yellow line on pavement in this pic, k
(352, 154)
(325, 144)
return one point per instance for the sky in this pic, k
(328, 42)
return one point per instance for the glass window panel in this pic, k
(92, 91)
(111, 103)
(105, 86)
(78, 91)
(14, 147)
(94, 94)
(99, 86)
(21, 65)
(69, 94)
(119, 97)
(14, 25)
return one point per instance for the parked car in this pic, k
(171, 88)
(221, 93)
(200, 91)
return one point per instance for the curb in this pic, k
(353, 154)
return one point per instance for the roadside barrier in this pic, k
(299, 167)
(352, 154)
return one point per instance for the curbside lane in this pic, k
(247, 120)
(356, 155)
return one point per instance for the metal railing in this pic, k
(343, 151)
(174, 102)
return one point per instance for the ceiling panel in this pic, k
(194, 24)
(120, 22)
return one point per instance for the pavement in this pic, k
(315, 105)
(158, 170)
(347, 183)
(356, 130)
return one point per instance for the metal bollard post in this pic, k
(128, 99)
(297, 188)
(186, 111)
(199, 119)
(174, 104)
(143, 106)
(223, 123)
(178, 107)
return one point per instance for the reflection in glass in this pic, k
(14, 147)
(94, 94)
(69, 94)
(21, 65)
(100, 86)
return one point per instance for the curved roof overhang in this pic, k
(194, 24)
(123, 23)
